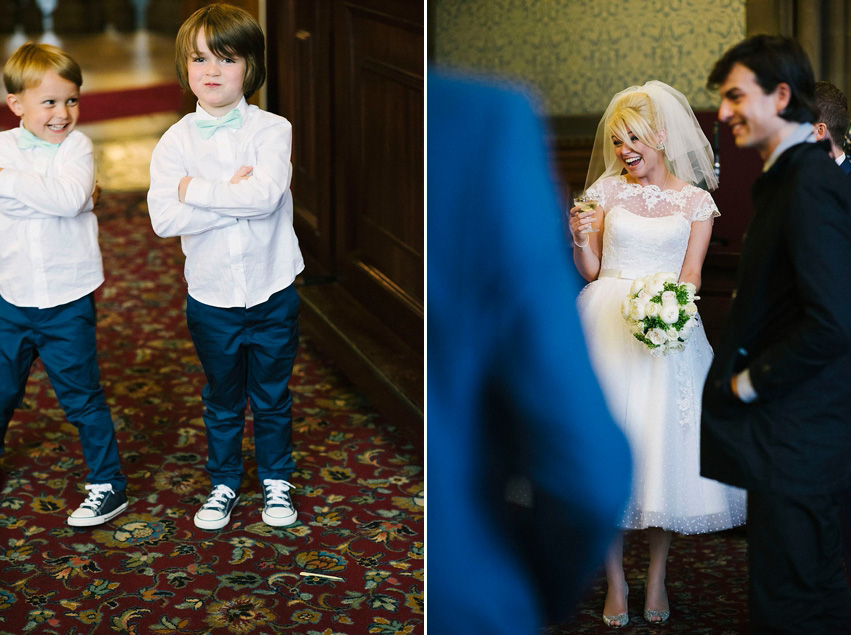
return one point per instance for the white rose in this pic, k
(671, 347)
(672, 334)
(651, 309)
(625, 305)
(636, 310)
(664, 276)
(637, 285)
(690, 309)
(643, 297)
(654, 287)
(669, 314)
(669, 297)
(691, 290)
(656, 336)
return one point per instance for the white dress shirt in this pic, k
(49, 252)
(238, 239)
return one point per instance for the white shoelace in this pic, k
(276, 492)
(96, 494)
(218, 499)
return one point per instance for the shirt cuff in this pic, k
(198, 192)
(744, 387)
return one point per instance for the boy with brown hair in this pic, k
(220, 179)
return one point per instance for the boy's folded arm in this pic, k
(254, 198)
(67, 194)
(262, 193)
(170, 217)
(10, 206)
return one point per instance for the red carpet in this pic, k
(150, 570)
(100, 106)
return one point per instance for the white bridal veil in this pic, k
(688, 153)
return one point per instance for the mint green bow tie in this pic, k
(208, 126)
(27, 140)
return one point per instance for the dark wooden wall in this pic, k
(349, 75)
(90, 16)
(572, 140)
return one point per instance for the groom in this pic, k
(776, 405)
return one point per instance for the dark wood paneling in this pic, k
(571, 157)
(300, 54)
(379, 163)
(349, 76)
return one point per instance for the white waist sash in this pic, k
(624, 274)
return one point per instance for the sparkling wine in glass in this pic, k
(586, 204)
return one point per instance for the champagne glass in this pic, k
(586, 204)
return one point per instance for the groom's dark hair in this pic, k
(774, 59)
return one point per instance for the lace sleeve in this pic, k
(598, 192)
(704, 207)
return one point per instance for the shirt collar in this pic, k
(803, 133)
(200, 113)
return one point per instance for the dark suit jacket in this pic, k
(790, 324)
(510, 387)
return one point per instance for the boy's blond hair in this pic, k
(230, 32)
(27, 66)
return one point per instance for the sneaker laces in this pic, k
(96, 493)
(276, 492)
(218, 498)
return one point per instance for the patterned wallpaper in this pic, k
(578, 53)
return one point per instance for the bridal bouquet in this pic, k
(661, 312)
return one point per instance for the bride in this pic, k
(649, 157)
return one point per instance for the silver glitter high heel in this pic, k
(662, 615)
(620, 620)
(655, 617)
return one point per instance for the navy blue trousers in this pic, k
(247, 355)
(65, 339)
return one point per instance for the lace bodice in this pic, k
(647, 229)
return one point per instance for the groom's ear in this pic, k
(782, 96)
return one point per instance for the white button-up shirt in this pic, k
(49, 252)
(238, 239)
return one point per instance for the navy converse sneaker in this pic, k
(278, 509)
(102, 504)
(216, 510)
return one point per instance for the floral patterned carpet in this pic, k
(706, 582)
(150, 570)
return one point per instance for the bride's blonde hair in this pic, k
(634, 113)
(653, 112)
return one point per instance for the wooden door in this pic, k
(379, 106)
(299, 36)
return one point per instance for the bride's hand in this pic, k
(580, 222)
